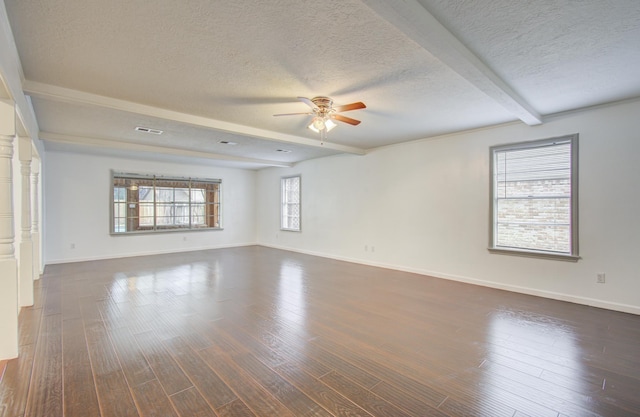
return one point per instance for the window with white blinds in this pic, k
(534, 197)
(290, 207)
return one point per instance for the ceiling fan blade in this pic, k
(352, 106)
(292, 114)
(345, 119)
(308, 102)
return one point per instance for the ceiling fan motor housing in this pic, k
(323, 103)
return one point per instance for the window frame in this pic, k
(283, 203)
(161, 181)
(573, 255)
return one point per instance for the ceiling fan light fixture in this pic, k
(317, 124)
(320, 123)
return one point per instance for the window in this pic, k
(149, 203)
(290, 210)
(534, 193)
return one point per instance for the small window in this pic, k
(148, 203)
(534, 198)
(290, 210)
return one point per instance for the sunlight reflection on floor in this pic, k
(521, 347)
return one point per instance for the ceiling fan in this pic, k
(324, 114)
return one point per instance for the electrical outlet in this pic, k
(366, 248)
(72, 246)
(600, 278)
(373, 248)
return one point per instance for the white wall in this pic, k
(77, 209)
(424, 207)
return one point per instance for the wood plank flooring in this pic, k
(3, 366)
(254, 331)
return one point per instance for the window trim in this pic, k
(282, 179)
(573, 256)
(153, 177)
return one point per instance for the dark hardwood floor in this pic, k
(255, 331)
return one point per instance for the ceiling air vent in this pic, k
(149, 130)
(226, 142)
(283, 150)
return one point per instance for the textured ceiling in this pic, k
(205, 71)
(559, 55)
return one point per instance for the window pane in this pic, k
(198, 195)
(181, 194)
(119, 193)
(534, 237)
(198, 213)
(145, 193)
(120, 225)
(164, 194)
(181, 214)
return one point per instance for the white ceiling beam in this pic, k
(137, 147)
(11, 77)
(67, 95)
(412, 19)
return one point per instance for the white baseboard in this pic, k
(145, 253)
(624, 308)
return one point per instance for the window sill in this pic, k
(290, 230)
(160, 231)
(535, 254)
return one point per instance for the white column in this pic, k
(8, 266)
(25, 269)
(35, 218)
